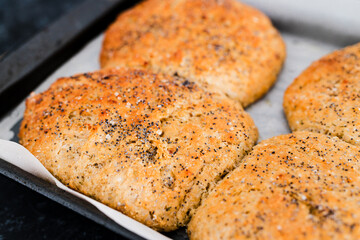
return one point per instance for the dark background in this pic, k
(22, 19)
(25, 214)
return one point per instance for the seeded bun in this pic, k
(325, 97)
(225, 46)
(148, 145)
(297, 186)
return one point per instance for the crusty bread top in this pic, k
(148, 145)
(325, 97)
(224, 45)
(297, 186)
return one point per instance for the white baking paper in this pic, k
(267, 113)
(19, 156)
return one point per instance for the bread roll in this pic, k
(225, 46)
(297, 186)
(325, 97)
(148, 145)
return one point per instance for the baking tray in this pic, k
(311, 28)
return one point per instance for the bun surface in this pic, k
(225, 46)
(148, 145)
(298, 186)
(325, 97)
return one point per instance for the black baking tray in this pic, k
(24, 69)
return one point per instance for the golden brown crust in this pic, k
(297, 186)
(325, 97)
(148, 145)
(224, 45)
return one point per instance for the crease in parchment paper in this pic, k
(19, 156)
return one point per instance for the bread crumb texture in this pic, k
(298, 186)
(148, 145)
(325, 98)
(223, 45)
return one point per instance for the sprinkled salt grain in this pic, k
(116, 94)
(128, 105)
(159, 132)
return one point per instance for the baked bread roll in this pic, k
(297, 186)
(224, 45)
(147, 145)
(325, 97)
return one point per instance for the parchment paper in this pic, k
(22, 158)
(267, 113)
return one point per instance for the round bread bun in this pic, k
(302, 185)
(148, 145)
(325, 98)
(224, 45)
